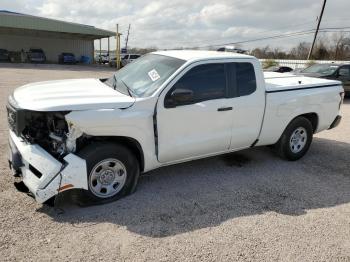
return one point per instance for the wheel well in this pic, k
(128, 142)
(313, 118)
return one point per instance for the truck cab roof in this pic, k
(190, 55)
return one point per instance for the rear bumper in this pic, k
(42, 174)
(336, 122)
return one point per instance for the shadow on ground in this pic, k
(208, 192)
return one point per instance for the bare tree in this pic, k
(300, 51)
(322, 50)
(341, 42)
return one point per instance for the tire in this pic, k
(295, 140)
(112, 173)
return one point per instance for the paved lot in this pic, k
(248, 206)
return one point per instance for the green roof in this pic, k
(22, 21)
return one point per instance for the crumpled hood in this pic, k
(72, 94)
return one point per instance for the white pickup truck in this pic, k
(98, 135)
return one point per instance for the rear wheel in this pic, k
(295, 140)
(112, 172)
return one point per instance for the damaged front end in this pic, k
(42, 147)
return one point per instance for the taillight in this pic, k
(342, 95)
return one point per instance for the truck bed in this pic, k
(289, 96)
(277, 82)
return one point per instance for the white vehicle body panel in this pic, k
(67, 95)
(291, 96)
(192, 131)
(281, 82)
(135, 122)
(54, 174)
(248, 113)
(184, 133)
(281, 110)
(171, 135)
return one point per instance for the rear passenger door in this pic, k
(247, 92)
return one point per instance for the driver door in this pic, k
(193, 117)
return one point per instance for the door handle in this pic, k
(225, 108)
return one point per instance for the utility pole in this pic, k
(316, 32)
(118, 48)
(127, 38)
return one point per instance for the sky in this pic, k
(191, 23)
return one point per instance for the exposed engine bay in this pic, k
(50, 130)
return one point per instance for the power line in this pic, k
(287, 35)
(262, 38)
(299, 33)
(336, 28)
(255, 33)
(159, 24)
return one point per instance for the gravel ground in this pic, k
(247, 206)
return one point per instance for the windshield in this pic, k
(321, 69)
(145, 75)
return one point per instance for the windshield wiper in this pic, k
(115, 82)
(127, 88)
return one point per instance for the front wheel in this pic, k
(295, 140)
(112, 172)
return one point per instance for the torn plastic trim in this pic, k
(73, 134)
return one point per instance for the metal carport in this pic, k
(21, 31)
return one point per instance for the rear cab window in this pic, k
(245, 78)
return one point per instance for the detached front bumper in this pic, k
(43, 174)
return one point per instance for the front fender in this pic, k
(119, 123)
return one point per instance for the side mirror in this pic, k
(179, 96)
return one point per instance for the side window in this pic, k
(245, 77)
(203, 82)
